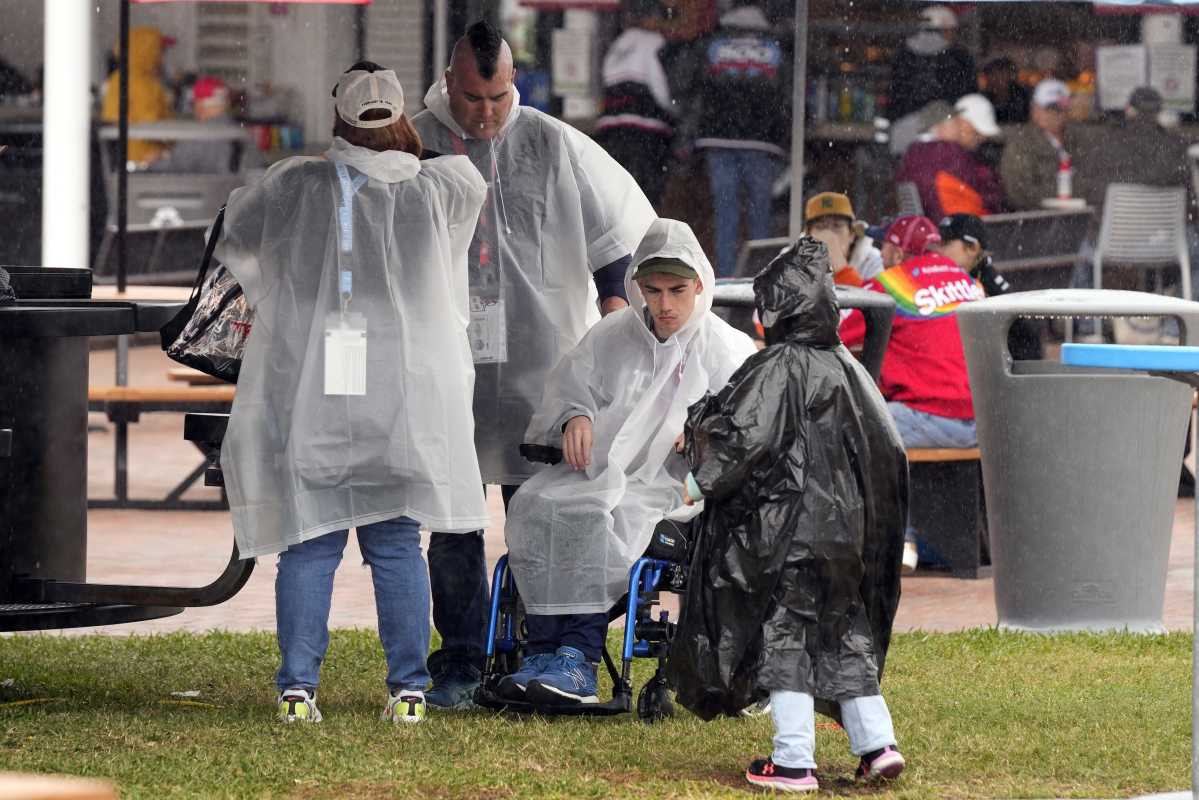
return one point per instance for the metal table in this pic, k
(43, 472)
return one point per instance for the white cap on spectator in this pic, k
(1051, 93)
(938, 18)
(978, 111)
(359, 91)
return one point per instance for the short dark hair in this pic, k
(485, 42)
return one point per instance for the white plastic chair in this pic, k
(1145, 227)
(909, 199)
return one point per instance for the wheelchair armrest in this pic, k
(540, 453)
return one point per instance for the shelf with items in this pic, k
(850, 73)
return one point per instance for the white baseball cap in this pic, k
(938, 18)
(359, 91)
(1051, 93)
(978, 111)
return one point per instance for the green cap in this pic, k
(668, 266)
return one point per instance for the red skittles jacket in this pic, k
(924, 366)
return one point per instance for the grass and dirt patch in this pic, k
(978, 714)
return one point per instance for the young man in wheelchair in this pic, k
(616, 404)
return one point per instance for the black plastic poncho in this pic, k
(795, 576)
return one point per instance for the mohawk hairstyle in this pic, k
(485, 42)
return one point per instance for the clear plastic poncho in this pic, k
(298, 461)
(573, 535)
(558, 209)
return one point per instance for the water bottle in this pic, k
(1065, 179)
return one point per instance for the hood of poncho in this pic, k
(795, 298)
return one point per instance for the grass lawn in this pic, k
(978, 714)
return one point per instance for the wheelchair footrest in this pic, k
(485, 698)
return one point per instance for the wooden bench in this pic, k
(124, 405)
(945, 504)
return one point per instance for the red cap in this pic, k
(207, 87)
(912, 234)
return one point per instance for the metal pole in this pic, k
(799, 95)
(360, 33)
(441, 25)
(123, 146)
(66, 126)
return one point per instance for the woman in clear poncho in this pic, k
(353, 402)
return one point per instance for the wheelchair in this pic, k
(663, 568)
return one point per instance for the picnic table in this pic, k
(43, 470)
(192, 377)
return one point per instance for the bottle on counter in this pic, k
(1065, 178)
(845, 103)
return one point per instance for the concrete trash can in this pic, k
(1080, 467)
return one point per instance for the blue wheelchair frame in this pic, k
(644, 637)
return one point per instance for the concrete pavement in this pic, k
(191, 548)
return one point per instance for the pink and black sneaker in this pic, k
(880, 765)
(764, 772)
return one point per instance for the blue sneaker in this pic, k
(454, 681)
(567, 680)
(512, 687)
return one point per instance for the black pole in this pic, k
(799, 96)
(360, 32)
(123, 145)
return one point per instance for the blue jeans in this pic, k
(730, 171)
(866, 721)
(304, 588)
(918, 429)
(459, 580)
(583, 632)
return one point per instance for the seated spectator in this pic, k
(617, 404)
(945, 167)
(1136, 150)
(1034, 152)
(964, 242)
(917, 125)
(211, 105)
(829, 217)
(924, 376)
(1004, 91)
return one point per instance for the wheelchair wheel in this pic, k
(653, 702)
(508, 662)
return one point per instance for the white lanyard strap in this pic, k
(345, 212)
(345, 224)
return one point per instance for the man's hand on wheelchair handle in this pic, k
(576, 442)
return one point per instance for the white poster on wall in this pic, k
(1169, 68)
(1172, 72)
(571, 57)
(1120, 69)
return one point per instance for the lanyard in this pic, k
(345, 224)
